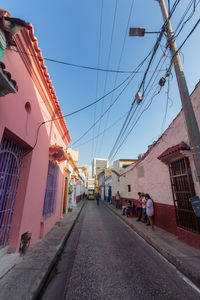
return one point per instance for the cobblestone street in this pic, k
(105, 259)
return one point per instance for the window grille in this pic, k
(183, 189)
(11, 159)
(51, 190)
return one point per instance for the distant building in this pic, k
(91, 184)
(99, 165)
(119, 167)
(74, 154)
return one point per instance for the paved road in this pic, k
(104, 259)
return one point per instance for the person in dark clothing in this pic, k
(98, 198)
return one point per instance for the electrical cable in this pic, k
(155, 50)
(111, 126)
(192, 3)
(127, 122)
(78, 66)
(135, 124)
(87, 106)
(190, 33)
(143, 81)
(169, 7)
(157, 44)
(137, 68)
(183, 43)
(71, 64)
(98, 63)
(80, 109)
(150, 89)
(108, 62)
(106, 110)
(120, 59)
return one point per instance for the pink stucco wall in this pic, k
(30, 197)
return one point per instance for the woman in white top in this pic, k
(149, 209)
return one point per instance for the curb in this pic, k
(166, 254)
(42, 284)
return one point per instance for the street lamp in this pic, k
(140, 31)
(190, 118)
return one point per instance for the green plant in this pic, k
(70, 189)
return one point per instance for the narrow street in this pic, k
(105, 259)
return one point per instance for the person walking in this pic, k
(110, 195)
(98, 198)
(117, 200)
(149, 210)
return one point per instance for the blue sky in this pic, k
(69, 30)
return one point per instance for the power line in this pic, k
(131, 114)
(192, 3)
(80, 109)
(111, 126)
(144, 78)
(135, 124)
(193, 29)
(72, 64)
(120, 59)
(158, 92)
(97, 78)
(183, 43)
(133, 75)
(108, 62)
(105, 110)
(123, 129)
(79, 66)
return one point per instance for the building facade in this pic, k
(31, 151)
(166, 172)
(99, 165)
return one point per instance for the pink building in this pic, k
(31, 153)
(166, 172)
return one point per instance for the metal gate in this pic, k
(183, 189)
(11, 159)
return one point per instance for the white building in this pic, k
(99, 165)
(91, 184)
(119, 166)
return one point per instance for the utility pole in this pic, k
(191, 122)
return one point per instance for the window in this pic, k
(51, 190)
(129, 188)
(183, 189)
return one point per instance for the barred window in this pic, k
(51, 190)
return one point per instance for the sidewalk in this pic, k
(26, 279)
(184, 257)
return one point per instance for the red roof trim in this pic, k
(174, 149)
